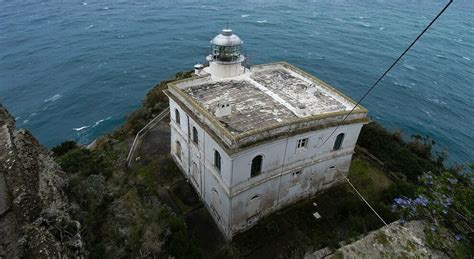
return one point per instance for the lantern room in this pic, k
(225, 59)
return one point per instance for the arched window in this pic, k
(177, 116)
(255, 197)
(195, 135)
(256, 167)
(338, 143)
(217, 160)
(178, 150)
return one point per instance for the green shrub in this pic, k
(179, 243)
(84, 162)
(64, 147)
(411, 159)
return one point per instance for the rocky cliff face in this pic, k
(392, 241)
(34, 211)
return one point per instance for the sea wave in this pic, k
(410, 67)
(102, 120)
(81, 128)
(53, 98)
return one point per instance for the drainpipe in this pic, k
(203, 166)
(189, 148)
(281, 173)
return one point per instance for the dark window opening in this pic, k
(255, 197)
(195, 135)
(178, 150)
(256, 167)
(177, 116)
(296, 173)
(338, 143)
(302, 143)
(217, 160)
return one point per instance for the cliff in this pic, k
(392, 241)
(34, 218)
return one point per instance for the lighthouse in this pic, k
(252, 140)
(225, 59)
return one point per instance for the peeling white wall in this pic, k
(233, 208)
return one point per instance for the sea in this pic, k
(74, 70)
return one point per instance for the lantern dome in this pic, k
(227, 38)
(226, 48)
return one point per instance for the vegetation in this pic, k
(124, 214)
(119, 209)
(63, 148)
(424, 189)
(409, 160)
(446, 201)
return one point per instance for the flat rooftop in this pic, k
(266, 96)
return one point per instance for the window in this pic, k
(256, 167)
(177, 117)
(195, 135)
(178, 150)
(255, 197)
(297, 173)
(338, 143)
(217, 160)
(302, 143)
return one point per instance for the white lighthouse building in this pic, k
(252, 140)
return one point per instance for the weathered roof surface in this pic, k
(268, 102)
(250, 106)
(266, 96)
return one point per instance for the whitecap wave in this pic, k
(466, 58)
(81, 128)
(53, 98)
(410, 67)
(437, 101)
(401, 85)
(262, 21)
(365, 24)
(427, 113)
(90, 26)
(245, 15)
(102, 120)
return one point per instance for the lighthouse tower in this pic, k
(225, 59)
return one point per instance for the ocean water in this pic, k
(75, 69)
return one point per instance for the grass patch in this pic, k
(369, 178)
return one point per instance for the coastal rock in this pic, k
(34, 218)
(392, 241)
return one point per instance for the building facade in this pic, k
(252, 140)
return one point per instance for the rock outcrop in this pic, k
(34, 211)
(392, 241)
